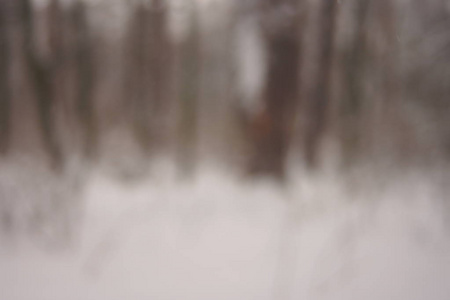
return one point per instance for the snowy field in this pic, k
(221, 238)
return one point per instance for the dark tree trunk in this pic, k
(160, 60)
(85, 80)
(354, 85)
(149, 54)
(389, 55)
(189, 62)
(41, 78)
(160, 55)
(137, 92)
(320, 97)
(270, 129)
(5, 93)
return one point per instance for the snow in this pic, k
(221, 237)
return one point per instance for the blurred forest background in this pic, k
(254, 86)
(249, 84)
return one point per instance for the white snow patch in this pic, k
(219, 238)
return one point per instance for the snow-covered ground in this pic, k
(218, 237)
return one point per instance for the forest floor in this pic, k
(218, 237)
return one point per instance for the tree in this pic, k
(147, 76)
(5, 93)
(354, 92)
(270, 128)
(189, 61)
(41, 72)
(160, 60)
(320, 97)
(84, 79)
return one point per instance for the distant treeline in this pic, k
(367, 78)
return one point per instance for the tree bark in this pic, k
(354, 76)
(5, 85)
(41, 78)
(189, 65)
(320, 97)
(137, 92)
(85, 80)
(270, 129)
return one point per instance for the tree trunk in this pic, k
(85, 80)
(320, 98)
(270, 129)
(354, 85)
(189, 85)
(5, 93)
(41, 77)
(137, 92)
